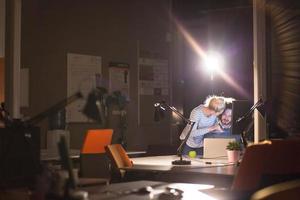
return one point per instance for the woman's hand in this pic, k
(216, 128)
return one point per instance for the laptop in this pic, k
(215, 148)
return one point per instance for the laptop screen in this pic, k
(215, 148)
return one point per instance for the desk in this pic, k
(159, 190)
(134, 154)
(53, 155)
(167, 161)
(159, 168)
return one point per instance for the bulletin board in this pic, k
(153, 76)
(153, 86)
(119, 77)
(82, 72)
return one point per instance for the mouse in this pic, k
(144, 190)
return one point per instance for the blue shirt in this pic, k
(201, 127)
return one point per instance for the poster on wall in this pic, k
(82, 72)
(153, 76)
(119, 78)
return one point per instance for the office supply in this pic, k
(215, 148)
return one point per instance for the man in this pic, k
(225, 124)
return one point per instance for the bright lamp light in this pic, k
(213, 62)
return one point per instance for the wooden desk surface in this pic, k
(53, 155)
(164, 163)
(167, 161)
(160, 168)
(159, 190)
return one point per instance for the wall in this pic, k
(2, 27)
(2, 48)
(227, 31)
(113, 29)
(110, 29)
(2, 80)
(283, 67)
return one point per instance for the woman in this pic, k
(205, 118)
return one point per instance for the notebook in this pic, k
(215, 148)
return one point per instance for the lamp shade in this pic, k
(91, 109)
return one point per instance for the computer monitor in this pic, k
(239, 109)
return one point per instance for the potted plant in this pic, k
(233, 151)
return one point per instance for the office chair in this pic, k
(119, 159)
(96, 140)
(93, 160)
(268, 163)
(287, 190)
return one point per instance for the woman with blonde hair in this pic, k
(206, 121)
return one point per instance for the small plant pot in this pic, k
(233, 156)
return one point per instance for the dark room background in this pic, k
(116, 31)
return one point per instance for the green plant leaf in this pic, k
(234, 145)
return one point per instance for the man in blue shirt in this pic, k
(225, 124)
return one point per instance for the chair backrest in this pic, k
(287, 190)
(96, 140)
(276, 159)
(118, 155)
(93, 160)
(119, 159)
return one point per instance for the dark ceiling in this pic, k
(185, 9)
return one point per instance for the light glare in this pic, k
(213, 62)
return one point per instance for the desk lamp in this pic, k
(70, 189)
(159, 108)
(260, 106)
(94, 107)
